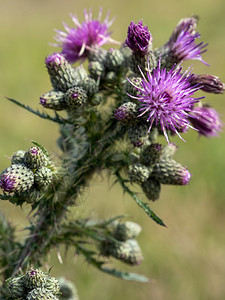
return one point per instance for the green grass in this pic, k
(184, 261)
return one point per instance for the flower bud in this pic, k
(171, 172)
(127, 113)
(18, 157)
(128, 252)
(138, 134)
(206, 120)
(139, 173)
(110, 77)
(35, 158)
(53, 100)
(34, 278)
(151, 189)
(17, 178)
(96, 69)
(75, 97)
(168, 151)
(89, 85)
(68, 290)
(16, 288)
(151, 154)
(41, 294)
(138, 38)
(62, 75)
(132, 84)
(43, 177)
(126, 230)
(208, 83)
(52, 285)
(113, 60)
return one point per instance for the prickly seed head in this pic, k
(126, 113)
(43, 177)
(53, 100)
(18, 157)
(75, 97)
(62, 75)
(171, 172)
(16, 288)
(139, 173)
(41, 294)
(35, 158)
(151, 188)
(35, 278)
(126, 230)
(16, 179)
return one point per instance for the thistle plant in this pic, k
(120, 114)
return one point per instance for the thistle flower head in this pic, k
(166, 98)
(138, 38)
(77, 42)
(206, 120)
(182, 45)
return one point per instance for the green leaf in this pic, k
(56, 119)
(125, 275)
(143, 205)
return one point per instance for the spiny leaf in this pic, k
(143, 205)
(56, 119)
(125, 275)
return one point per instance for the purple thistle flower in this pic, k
(206, 120)
(209, 83)
(138, 38)
(77, 42)
(183, 47)
(167, 98)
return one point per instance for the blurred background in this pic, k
(184, 261)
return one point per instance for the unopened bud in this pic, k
(208, 83)
(62, 75)
(126, 230)
(171, 172)
(138, 134)
(34, 278)
(151, 154)
(168, 151)
(139, 173)
(128, 252)
(113, 60)
(53, 100)
(41, 294)
(16, 179)
(96, 69)
(18, 157)
(75, 97)
(43, 177)
(35, 158)
(151, 188)
(127, 112)
(16, 288)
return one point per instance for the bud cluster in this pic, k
(123, 245)
(156, 167)
(30, 173)
(106, 65)
(72, 87)
(33, 285)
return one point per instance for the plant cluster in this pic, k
(116, 113)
